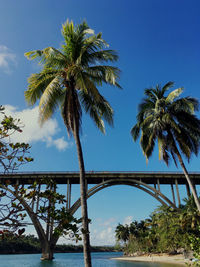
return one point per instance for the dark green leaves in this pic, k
(170, 120)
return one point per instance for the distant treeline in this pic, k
(30, 244)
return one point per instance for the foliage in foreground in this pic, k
(12, 156)
(46, 208)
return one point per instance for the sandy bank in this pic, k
(165, 258)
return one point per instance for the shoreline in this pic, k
(164, 258)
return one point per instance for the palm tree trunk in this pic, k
(192, 188)
(74, 125)
(86, 239)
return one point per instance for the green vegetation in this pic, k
(12, 156)
(68, 79)
(27, 244)
(167, 230)
(46, 207)
(169, 120)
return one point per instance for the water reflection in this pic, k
(72, 260)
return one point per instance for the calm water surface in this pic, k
(71, 260)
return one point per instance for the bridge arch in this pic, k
(131, 182)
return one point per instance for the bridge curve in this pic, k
(130, 182)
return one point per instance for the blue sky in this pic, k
(157, 41)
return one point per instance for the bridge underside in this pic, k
(97, 177)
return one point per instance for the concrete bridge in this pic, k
(149, 182)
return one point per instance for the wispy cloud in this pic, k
(128, 220)
(32, 132)
(7, 59)
(103, 231)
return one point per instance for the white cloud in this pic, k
(108, 222)
(103, 232)
(107, 235)
(128, 220)
(59, 143)
(32, 132)
(7, 59)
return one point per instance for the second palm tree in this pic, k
(170, 120)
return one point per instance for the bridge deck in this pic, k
(98, 177)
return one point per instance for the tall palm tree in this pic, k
(69, 79)
(169, 120)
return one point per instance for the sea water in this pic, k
(101, 259)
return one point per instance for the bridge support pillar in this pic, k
(173, 195)
(69, 188)
(38, 198)
(177, 191)
(158, 183)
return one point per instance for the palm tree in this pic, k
(189, 216)
(122, 233)
(166, 224)
(69, 79)
(169, 120)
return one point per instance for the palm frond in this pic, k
(150, 94)
(166, 87)
(33, 54)
(37, 84)
(91, 109)
(160, 147)
(174, 94)
(169, 121)
(97, 56)
(189, 122)
(147, 142)
(107, 74)
(49, 57)
(50, 99)
(187, 104)
(135, 131)
(166, 156)
(98, 109)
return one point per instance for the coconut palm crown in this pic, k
(76, 65)
(170, 120)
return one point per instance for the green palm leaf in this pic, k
(173, 95)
